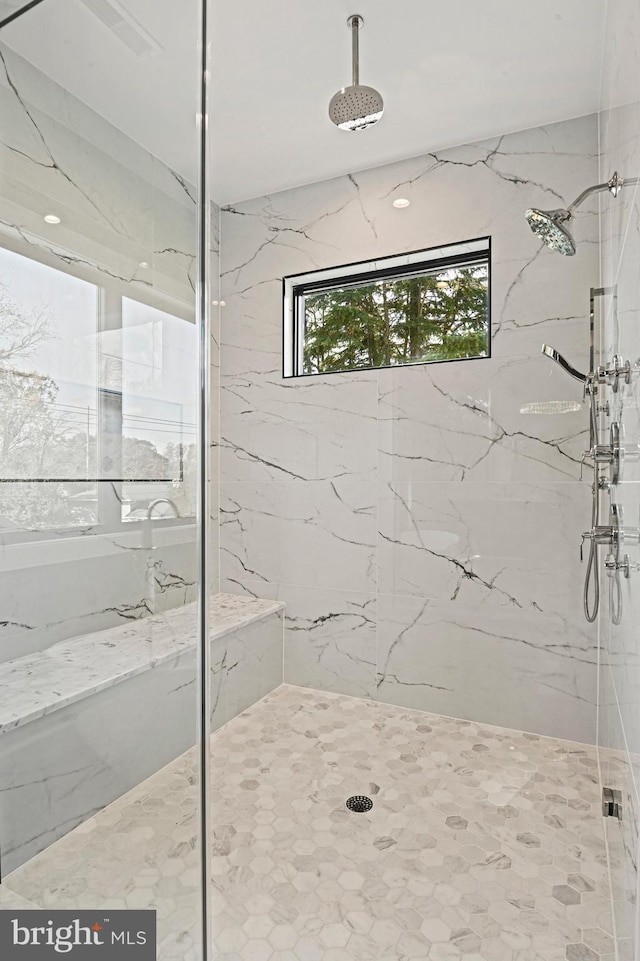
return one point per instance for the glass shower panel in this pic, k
(48, 392)
(159, 413)
(99, 369)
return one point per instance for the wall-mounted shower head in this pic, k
(356, 107)
(559, 359)
(550, 225)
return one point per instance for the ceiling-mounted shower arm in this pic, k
(613, 186)
(355, 22)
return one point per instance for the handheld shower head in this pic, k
(356, 107)
(559, 359)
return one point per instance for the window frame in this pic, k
(406, 265)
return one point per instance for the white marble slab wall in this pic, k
(422, 530)
(120, 207)
(619, 716)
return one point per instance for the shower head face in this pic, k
(548, 225)
(356, 107)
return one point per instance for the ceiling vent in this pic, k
(125, 27)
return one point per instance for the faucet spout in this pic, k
(162, 500)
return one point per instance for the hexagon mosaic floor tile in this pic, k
(483, 844)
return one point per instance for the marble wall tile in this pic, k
(472, 421)
(330, 636)
(484, 545)
(114, 581)
(447, 449)
(254, 663)
(299, 429)
(320, 533)
(619, 683)
(434, 657)
(330, 640)
(533, 307)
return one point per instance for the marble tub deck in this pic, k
(483, 844)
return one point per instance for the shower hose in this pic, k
(592, 567)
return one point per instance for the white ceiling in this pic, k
(449, 73)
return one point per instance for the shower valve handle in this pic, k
(602, 453)
(610, 535)
(612, 565)
(610, 454)
(586, 455)
(611, 374)
(606, 534)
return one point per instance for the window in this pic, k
(418, 308)
(97, 405)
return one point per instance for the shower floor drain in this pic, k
(359, 803)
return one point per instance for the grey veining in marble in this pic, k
(363, 498)
(35, 685)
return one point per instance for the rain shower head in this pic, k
(550, 225)
(559, 359)
(356, 107)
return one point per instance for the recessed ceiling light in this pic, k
(52, 219)
(143, 264)
(401, 202)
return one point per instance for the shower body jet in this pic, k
(550, 225)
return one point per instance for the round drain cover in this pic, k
(359, 803)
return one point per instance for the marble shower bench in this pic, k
(87, 719)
